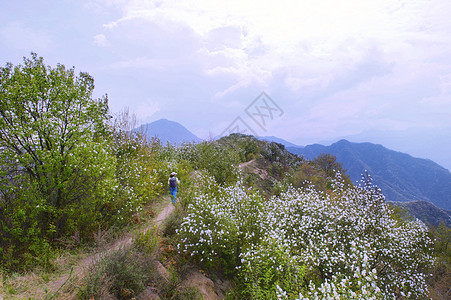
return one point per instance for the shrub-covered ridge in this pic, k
(343, 244)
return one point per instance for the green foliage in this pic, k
(329, 165)
(441, 270)
(246, 146)
(147, 241)
(188, 294)
(168, 160)
(400, 215)
(122, 273)
(66, 166)
(307, 174)
(219, 161)
(137, 170)
(318, 173)
(269, 269)
(57, 168)
(276, 159)
(442, 241)
(281, 168)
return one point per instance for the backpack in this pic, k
(173, 182)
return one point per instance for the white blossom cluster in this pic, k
(351, 232)
(137, 174)
(347, 236)
(212, 227)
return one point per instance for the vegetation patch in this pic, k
(306, 243)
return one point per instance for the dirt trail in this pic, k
(252, 167)
(245, 164)
(81, 267)
(167, 210)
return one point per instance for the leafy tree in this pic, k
(328, 163)
(56, 168)
(330, 166)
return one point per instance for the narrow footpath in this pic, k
(80, 269)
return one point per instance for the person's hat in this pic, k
(173, 173)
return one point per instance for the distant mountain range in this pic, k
(418, 142)
(401, 177)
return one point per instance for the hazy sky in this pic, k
(330, 68)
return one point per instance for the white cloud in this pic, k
(299, 31)
(221, 94)
(287, 22)
(349, 63)
(101, 40)
(146, 63)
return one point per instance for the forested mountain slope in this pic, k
(400, 176)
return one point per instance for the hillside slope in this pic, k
(400, 176)
(426, 212)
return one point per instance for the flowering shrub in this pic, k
(219, 221)
(304, 244)
(143, 168)
(136, 173)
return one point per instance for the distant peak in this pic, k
(343, 141)
(163, 121)
(169, 131)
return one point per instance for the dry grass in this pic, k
(36, 284)
(71, 268)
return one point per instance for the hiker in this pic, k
(173, 183)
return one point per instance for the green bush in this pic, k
(66, 166)
(268, 269)
(246, 146)
(122, 273)
(148, 241)
(137, 171)
(219, 161)
(56, 163)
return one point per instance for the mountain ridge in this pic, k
(422, 143)
(426, 211)
(401, 176)
(278, 140)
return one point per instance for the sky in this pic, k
(306, 71)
